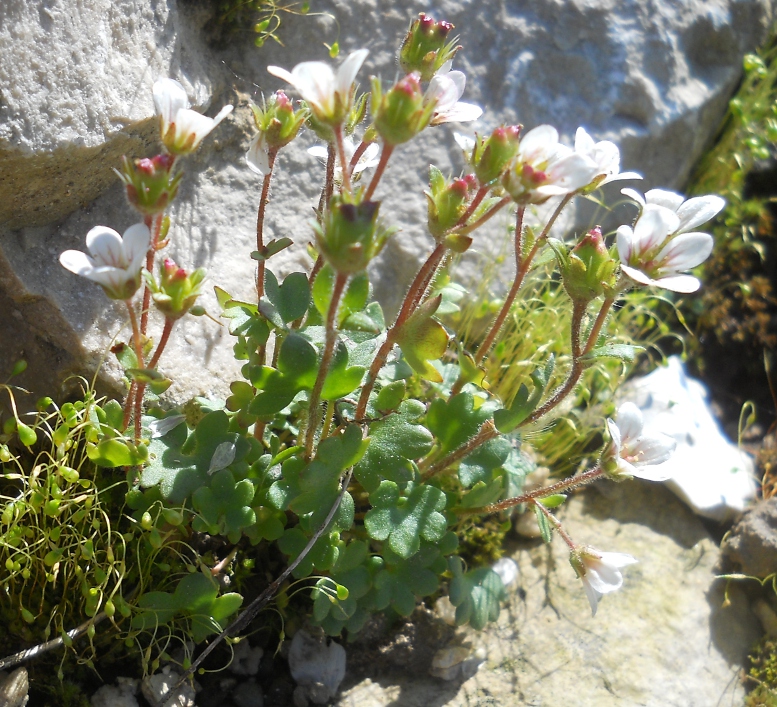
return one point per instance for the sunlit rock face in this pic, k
(76, 95)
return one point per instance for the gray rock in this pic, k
(665, 639)
(653, 77)
(156, 688)
(14, 688)
(317, 666)
(120, 695)
(752, 543)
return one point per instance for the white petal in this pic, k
(637, 275)
(169, 98)
(662, 197)
(112, 279)
(584, 143)
(443, 91)
(629, 421)
(77, 262)
(654, 449)
(652, 228)
(106, 246)
(319, 151)
(653, 472)
(315, 81)
(624, 237)
(223, 113)
(618, 559)
(465, 142)
(615, 434)
(538, 143)
(684, 284)
(684, 252)
(256, 157)
(282, 74)
(346, 74)
(572, 171)
(458, 113)
(634, 194)
(592, 595)
(459, 80)
(699, 210)
(190, 122)
(620, 176)
(137, 239)
(603, 577)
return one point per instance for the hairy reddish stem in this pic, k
(385, 153)
(326, 358)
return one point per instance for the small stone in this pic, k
(316, 662)
(245, 659)
(14, 688)
(507, 570)
(154, 686)
(752, 542)
(456, 662)
(114, 696)
(445, 610)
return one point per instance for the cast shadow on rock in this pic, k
(649, 504)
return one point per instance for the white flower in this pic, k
(256, 157)
(329, 95)
(599, 571)
(633, 453)
(113, 263)
(466, 143)
(368, 159)
(182, 129)
(691, 212)
(606, 155)
(445, 89)
(545, 168)
(651, 255)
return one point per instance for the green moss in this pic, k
(763, 671)
(735, 318)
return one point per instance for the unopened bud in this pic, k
(447, 200)
(350, 236)
(493, 156)
(176, 292)
(149, 182)
(278, 121)
(426, 47)
(588, 271)
(400, 113)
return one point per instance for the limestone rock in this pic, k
(76, 95)
(663, 640)
(752, 543)
(317, 666)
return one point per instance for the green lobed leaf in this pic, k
(286, 302)
(395, 442)
(478, 465)
(475, 594)
(455, 420)
(623, 352)
(508, 419)
(422, 339)
(404, 521)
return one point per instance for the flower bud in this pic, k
(150, 183)
(491, 157)
(177, 290)
(588, 270)
(447, 201)
(401, 113)
(278, 120)
(426, 48)
(350, 236)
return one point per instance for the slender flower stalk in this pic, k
(338, 130)
(314, 414)
(263, 200)
(385, 154)
(409, 304)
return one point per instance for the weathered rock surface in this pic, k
(752, 543)
(654, 77)
(663, 640)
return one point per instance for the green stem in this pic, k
(329, 182)
(385, 153)
(496, 208)
(326, 358)
(556, 522)
(473, 205)
(598, 324)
